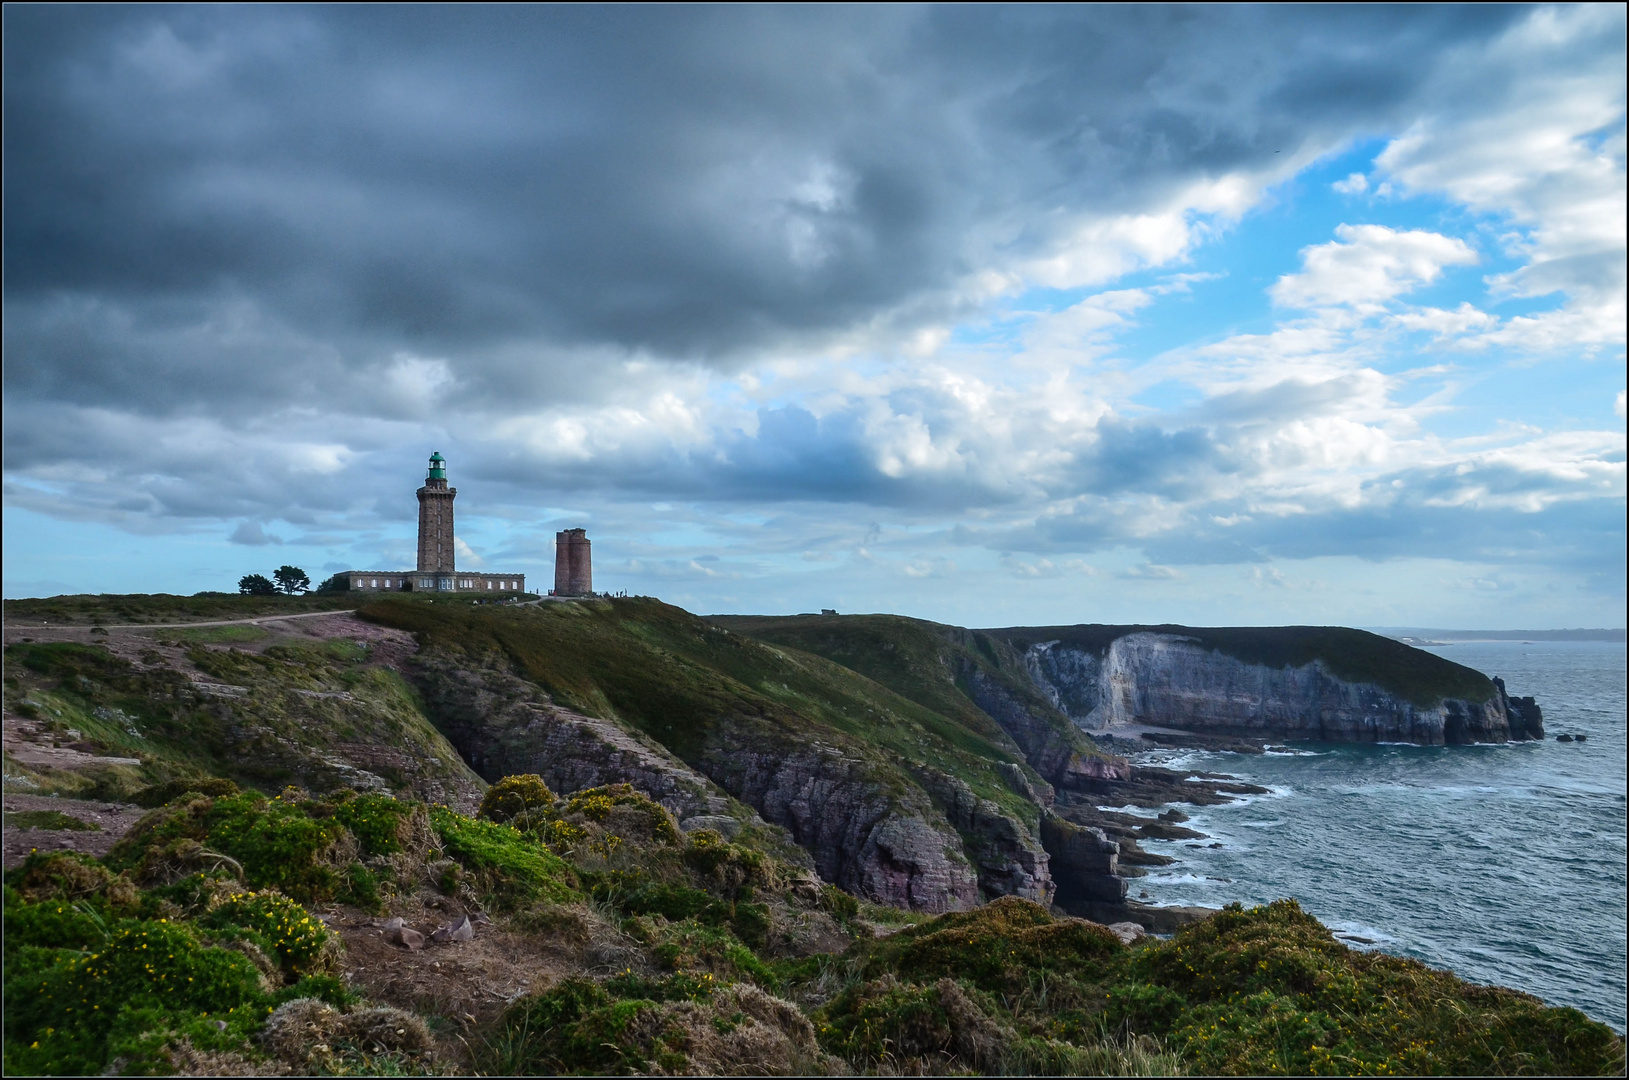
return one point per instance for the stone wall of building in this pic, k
(573, 563)
(436, 526)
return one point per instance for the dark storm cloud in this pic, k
(260, 202)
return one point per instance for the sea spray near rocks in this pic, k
(1505, 863)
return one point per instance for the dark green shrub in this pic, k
(697, 947)
(1270, 989)
(1140, 1006)
(581, 1026)
(276, 842)
(911, 1026)
(576, 1027)
(658, 898)
(66, 1008)
(1000, 947)
(70, 875)
(157, 795)
(640, 818)
(57, 924)
(839, 903)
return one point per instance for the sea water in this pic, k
(1502, 863)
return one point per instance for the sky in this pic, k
(989, 315)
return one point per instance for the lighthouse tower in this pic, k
(436, 520)
(436, 572)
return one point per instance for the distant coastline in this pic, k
(1417, 634)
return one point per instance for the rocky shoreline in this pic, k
(1097, 852)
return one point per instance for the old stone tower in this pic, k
(573, 570)
(436, 520)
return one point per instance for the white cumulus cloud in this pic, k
(1366, 265)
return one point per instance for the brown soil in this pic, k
(115, 820)
(467, 982)
(390, 648)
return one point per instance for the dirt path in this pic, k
(112, 821)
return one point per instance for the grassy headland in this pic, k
(241, 926)
(116, 609)
(693, 686)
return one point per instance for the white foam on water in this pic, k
(1345, 929)
(1278, 792)
(1134, 811)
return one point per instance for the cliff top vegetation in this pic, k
(93, 609)
(689, 684)
(241, 925)
(216, 936)
(901, 652)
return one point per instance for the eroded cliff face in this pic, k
(1059, 761)
(1167, 680)
(810, 803)
(885, 844)
(1010, 859)
(504, 725)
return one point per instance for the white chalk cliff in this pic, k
(1171, 681)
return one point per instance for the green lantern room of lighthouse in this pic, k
(438, 467)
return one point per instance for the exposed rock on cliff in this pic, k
(882, 842)
(1050, 753)
(1526, 718)
(505, 725)
(862, 825)
(1085, 865)
(1176, 681)
(1011, 862)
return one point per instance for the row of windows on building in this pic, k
(429, 583)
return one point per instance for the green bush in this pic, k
(157, 795)
(640, 817)
(377, 822)
(887, 1018)
(86, 987)
(692, 946)
(276, 842)
(58, 924)
(503, 862)
(70, 875)
(1264, 991)
(581, 1026)
(69, 1008)
(514, 796)
(1001, 947)
(1270, 989)
(283, 928)
(659, 898)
